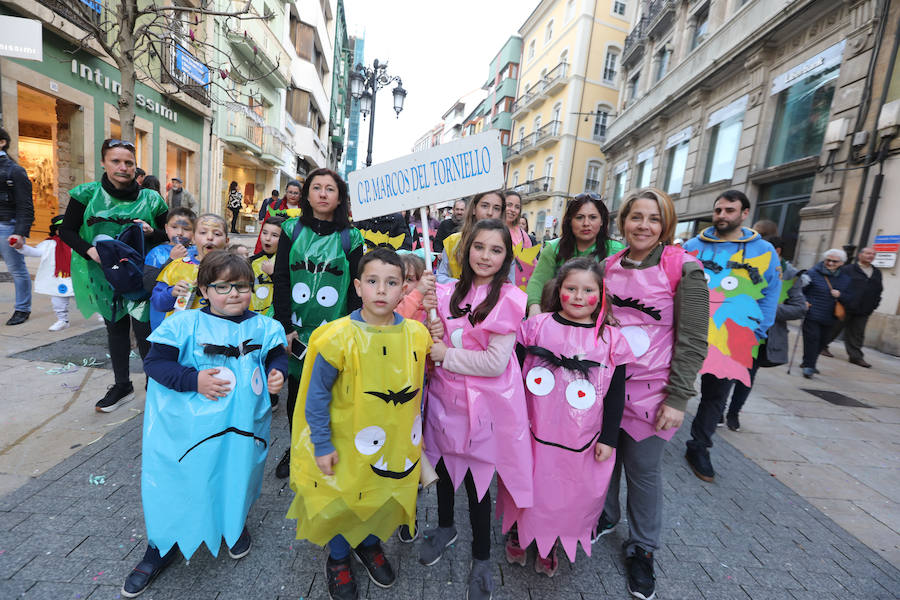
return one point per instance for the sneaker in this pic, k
(808, 372)
(547, 566)
(116, 395)
(721, 421)
(734, 424)
(341, 584)
(405, 536)
(283, 470)
(481, 583)
(826, 352)
(18, 317)
(241, 547)
(515, 554)
(146, 571)
(604, 526)
(639, 573)
(700, 464)
(431, 549)
(376, 563)
(58, 326)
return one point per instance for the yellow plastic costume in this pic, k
(376, 428)
(182, 270)
(261, 300)
(450, 244)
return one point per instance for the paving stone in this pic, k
(47, 590)
(14, 588)
(722, 591)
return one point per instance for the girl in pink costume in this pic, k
(476, 422)
(575, 391)
(658, 299)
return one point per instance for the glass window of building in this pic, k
(515, 180)
(701, 26)
(548, 32)
(676, 163)
(662, 65)
(530, 173)
(537, 123)
(600, 121)
(723, 148)
(781, 202)
(592, 177)
(570, 10)
(619, 183)
(531, 49)
(644, 168)
(609, 66)
(634, 86)
(548, 167)
(619, 7)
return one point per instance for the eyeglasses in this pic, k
(222, 288)
(591, 195)
(118, 143)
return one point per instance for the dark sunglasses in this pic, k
(118, 143)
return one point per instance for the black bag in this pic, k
(762, 358)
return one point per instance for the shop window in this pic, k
(177, 161)
(676, 163)
(801, 117)
(592, 177)
(723, 148)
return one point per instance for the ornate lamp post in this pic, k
(364, 85)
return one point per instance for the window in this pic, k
(633, 90)
(600, 123)
(676, 163)
(701, 26)
(515, 180)
(662, 58)
(592, 177)
(537, 123)
(619, 188)
(548, 32)
(781, 202)
(521, 133)
(531, 49)
(723, 148)
(570, 10)
(548, 167)
(504, 138)
(530, 173)
(644, 169)
(619, 8)
(564, 57)
(557, 110)
(609, 66)
(801, 117)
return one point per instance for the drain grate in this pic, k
(836, 398)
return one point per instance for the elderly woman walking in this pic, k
(823, 292)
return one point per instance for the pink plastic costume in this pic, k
(566, 413)
(475, 423)
(644, 303)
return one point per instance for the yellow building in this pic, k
(568, 88)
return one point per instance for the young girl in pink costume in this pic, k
(659, 300)
(573, 365)
(476, 422)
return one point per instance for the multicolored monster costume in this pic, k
(376, 428)
(744, 287)
(320, 277)
(644, 304)
(203, 460)
(524, 261)
(261, 301)
(104, 214)
(387, 231)
(480, 424)
(567, 374)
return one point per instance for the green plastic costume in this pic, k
(320, 278)
(104, 214)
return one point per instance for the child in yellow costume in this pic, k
(357, 434)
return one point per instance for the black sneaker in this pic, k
(116, 395)
(604, 526)
(405, 536)
(241, 547)
(700, 464)
(639, 573)
(283, 470)
(376, 563)
(146, 571)
(721, 421)
(734, 424)
(341, 584)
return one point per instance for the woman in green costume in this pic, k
(107, 207)
(316, 262)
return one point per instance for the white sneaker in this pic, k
(59, 326)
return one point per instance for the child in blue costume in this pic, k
(180, 231)
(210, 371)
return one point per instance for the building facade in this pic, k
(340, 90)
(351, 152)
(779, 99)
(567, 91)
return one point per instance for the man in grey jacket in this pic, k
(178, 196)
(774, 351)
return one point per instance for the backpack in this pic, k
(122, 262)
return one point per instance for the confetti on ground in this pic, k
(67, 368)
(97, 479)
(92, 362)
(97, 440)
(70, 387)
(133, 354)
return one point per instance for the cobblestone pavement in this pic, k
(77, 530)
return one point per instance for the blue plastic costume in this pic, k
(203, 460)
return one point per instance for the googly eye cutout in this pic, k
(327, 296)
(262, 292)
(256, 381)
(706, 276)
(300, 293)
(638, 339)
(370, 440)
(540, 381)
(416, 434)
(729, 283)
(456, 338)
(580, 394)
(228, 375)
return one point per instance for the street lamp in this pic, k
(364, 85)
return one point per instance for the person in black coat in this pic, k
(866, 288)
(16, 218)
(827, 285)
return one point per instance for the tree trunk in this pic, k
(124, 58)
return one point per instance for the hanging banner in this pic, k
(453, 170)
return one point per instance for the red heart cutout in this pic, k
(537, 380)
(581, 394)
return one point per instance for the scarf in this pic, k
(63, 257)
(128, 194)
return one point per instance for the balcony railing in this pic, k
(253, 39)
(660, 17)
(548, 133)
(555, 78)
(635, 41)
(535, 188)
(242, 130)
(273, 146)
(528, 143)
(171, 74)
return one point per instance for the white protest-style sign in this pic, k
(459, 168)
(22, 38)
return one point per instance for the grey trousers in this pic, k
(642, 462)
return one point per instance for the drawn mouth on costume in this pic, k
(392, 474)
(564, 447)
(248, 434)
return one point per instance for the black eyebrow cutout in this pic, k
(238, 351)
(570, 363)
(399, 397)
(314, 267)
(637, 305)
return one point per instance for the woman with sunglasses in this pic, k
(585, 232)
(107, 207)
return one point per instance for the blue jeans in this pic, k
(339, 548)
(15, 263)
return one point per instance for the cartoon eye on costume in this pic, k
(370, 440)
(581, 394)
(540, 381)
(262, 292)
(706, 276)
(256, 381)
(62, 288)
(637, 339)
(300, 293)
(327, 296)
(416, 434)
(456, 338)
(228, 375)
(729, 283)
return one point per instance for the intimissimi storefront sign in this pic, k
(100, 79)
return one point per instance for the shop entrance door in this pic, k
(37, 153)
(781, 202)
